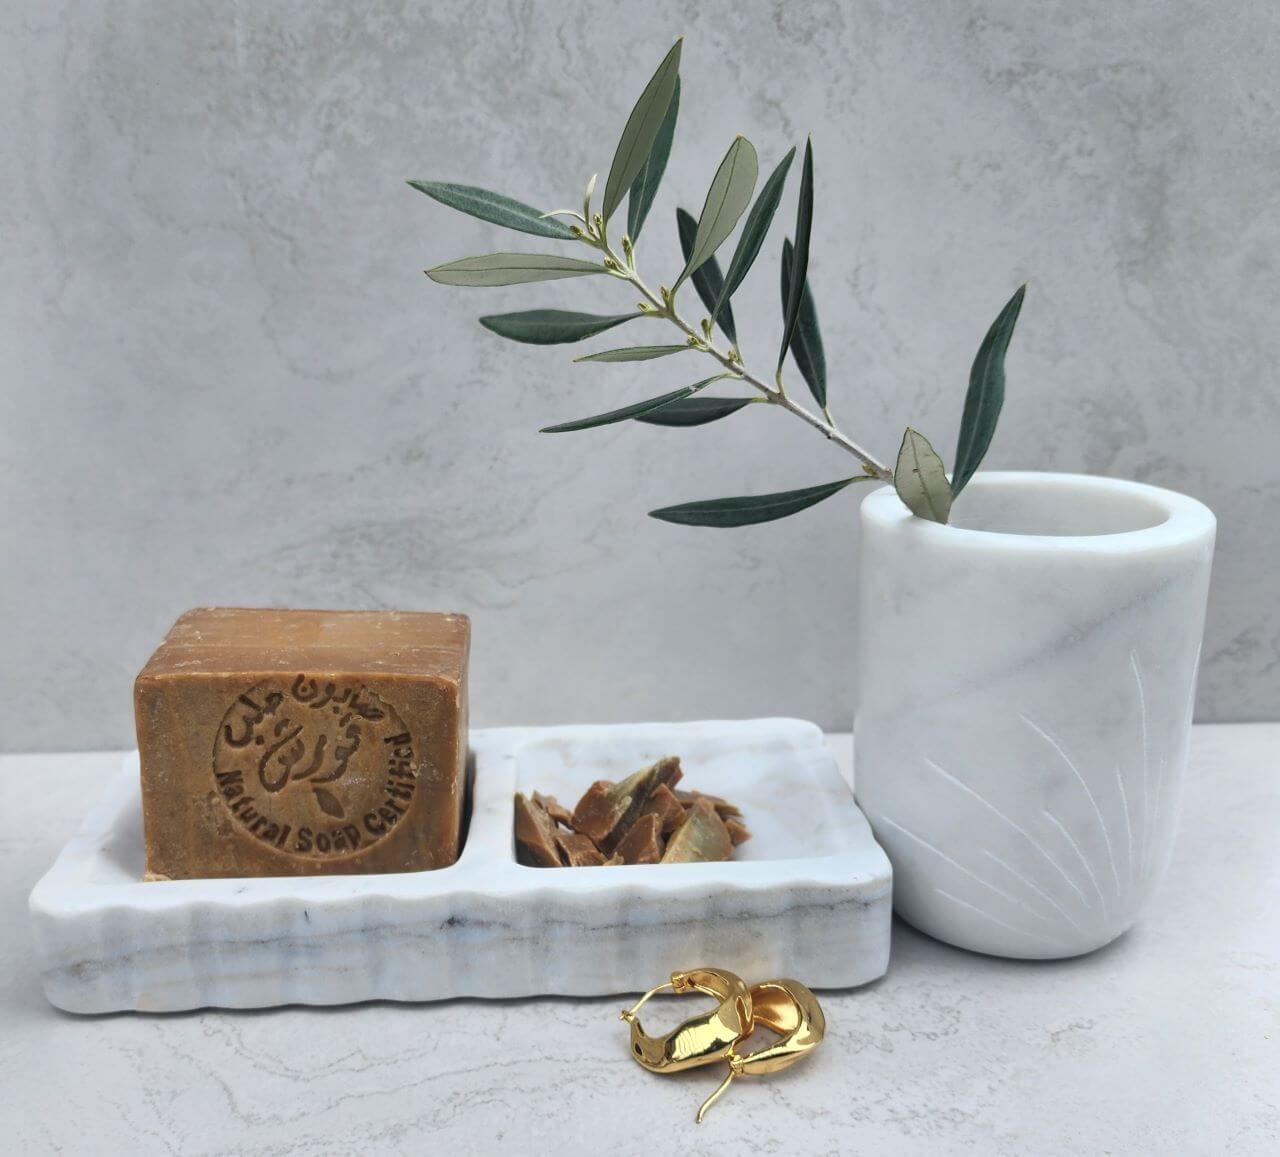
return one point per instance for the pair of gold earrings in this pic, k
(785, 1006)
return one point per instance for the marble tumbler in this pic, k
(1026, 684)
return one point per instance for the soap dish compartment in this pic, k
(790, 803)
(808, 896)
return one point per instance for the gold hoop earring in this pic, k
(792, 1011)
(703, 1039)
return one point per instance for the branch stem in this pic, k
(663, 305)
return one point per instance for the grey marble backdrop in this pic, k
(226, 380)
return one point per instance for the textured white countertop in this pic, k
(1167, 1042)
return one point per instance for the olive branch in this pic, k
(918, 473)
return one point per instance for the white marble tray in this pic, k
(808, 896)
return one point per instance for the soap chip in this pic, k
(596, 813)
(663, 803)
(578, 851)
(738, 832)
(608, 809)
(553, 808)
(536, 844)
(643, 843)
(725, 809)
(702, 837)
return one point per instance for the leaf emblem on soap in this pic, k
(329, 803)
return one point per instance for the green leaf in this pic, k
(632, 411)
(921, 480)
(708, 280)
(751, 508)
(645, 187)
(800, 260)
(551, 326)
(727, 200)
(511, 269)
(754, 231)
(634, 353)
(806, 342)
(986, 394)
(642, 130)
(494, 207)
(694, 411)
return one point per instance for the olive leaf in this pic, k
(635, 353)
(751, 508)
(632, 411)
(694, 411)
(921, 480)
(329, 803)
(494, 208)
(708, 280)
(645, 187)
(754, 231)
(985, 396)
(800, 257)
(727, 200)
(806, 342)
(511, 269)
(551, 326)
(642, 130)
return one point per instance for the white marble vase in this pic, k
(1026, 682)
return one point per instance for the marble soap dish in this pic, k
(807, 896)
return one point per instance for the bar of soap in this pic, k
(289, 743)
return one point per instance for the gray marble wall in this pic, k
(227, 381)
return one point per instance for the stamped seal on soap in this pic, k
(314, 767)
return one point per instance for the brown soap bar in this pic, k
(289, 743)
(702, 836)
